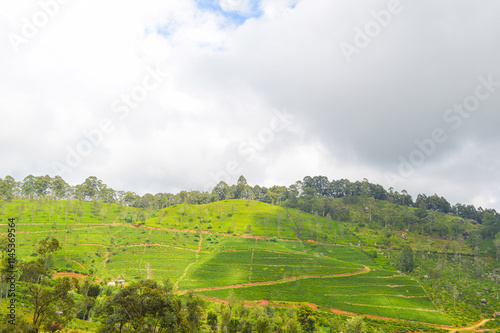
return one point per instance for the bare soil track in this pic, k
(365, 270)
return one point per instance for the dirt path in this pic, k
(114, 221)
(200, 247)
(161, 245)
(176, 285)
(79, 264)
(470, 328)
(449, 328)
(106, 257)
(365, 270)
(295, 225)
(68, 274)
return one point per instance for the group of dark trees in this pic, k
(312, 194)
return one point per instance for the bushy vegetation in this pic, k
(343, 248)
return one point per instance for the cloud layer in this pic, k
(161, 96)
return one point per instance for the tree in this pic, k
(47, 302)
(496, 243)
(222, 191)
(28, 187)
(143, 307)
(195, 311)
(355, 325)
(407, 259)
(59, 187)
(8, 188)
(247, 327)
(263, 325)
(491, 224)
(278, 222)
(335, 324)
(293, 326)
(311, 324)
(306, 318)
(365, 190)
(96, 207)
(234, 323)
(241, 188)
(89, 291)
(422, 208)
(212, 321)
(90, 187)
(42, 186)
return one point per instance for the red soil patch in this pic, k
(313, 306)
(337, 311)
(69, 274)
(79, 264)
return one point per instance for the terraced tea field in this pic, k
(250, 260)
(377, 293)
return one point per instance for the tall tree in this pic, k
(47, 302)
(407, 259)
(194, 307)
(241, 188)
(496, 243)
(8, 188)
(355, 325)
(222, 191)
(60, 188)
(143, 307)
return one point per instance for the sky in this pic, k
(162, 96)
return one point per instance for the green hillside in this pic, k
(249, 217)
(348, 260)
(260, 250)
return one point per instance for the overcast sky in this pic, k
(162, 96)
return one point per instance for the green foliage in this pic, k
(355, 325)
(212, 321)
(407, 259)
(48, 298)
(263, 325)
(143, 307)
(492, 325)
(205, 259)
(306, 318)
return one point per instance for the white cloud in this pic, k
(228, 71)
